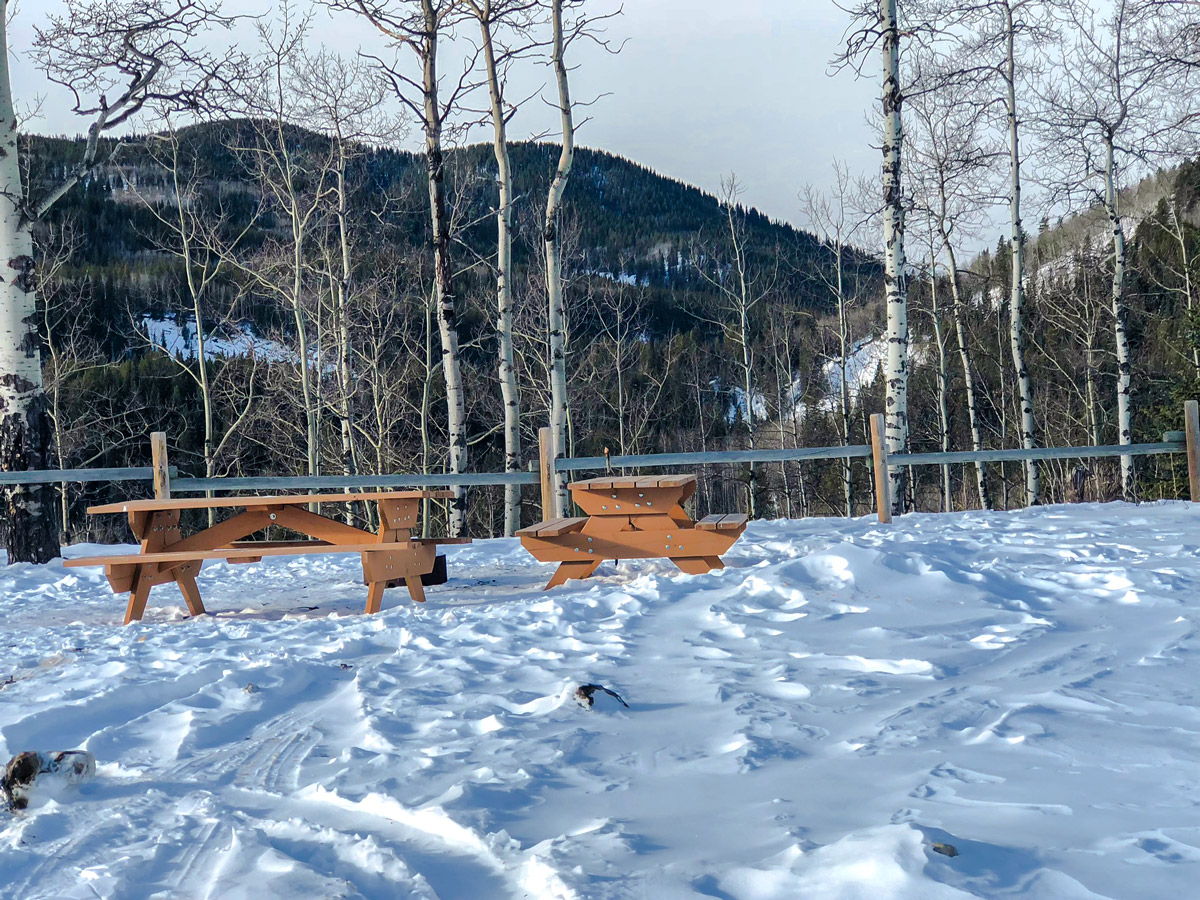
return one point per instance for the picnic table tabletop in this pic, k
(263, 501)
(639, 482)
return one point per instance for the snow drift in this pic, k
(806, 723)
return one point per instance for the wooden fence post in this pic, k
(158, 459)
(879, 460)
(1191, 430)
(546, 471)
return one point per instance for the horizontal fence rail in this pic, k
(656, 460)
(986, 456)
(57, 476)
(854, 451)
(338, 482)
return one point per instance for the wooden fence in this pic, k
(549, 471)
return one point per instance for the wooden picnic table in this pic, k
(632, 518)
(390, 556)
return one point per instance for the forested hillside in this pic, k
(1072, 361)
(650, 367)
(654, 355)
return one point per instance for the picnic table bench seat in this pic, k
(632, 517)
(554, 527)
(390, 557)
(727, 522)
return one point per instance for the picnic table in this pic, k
(390, 556)
(632, 518)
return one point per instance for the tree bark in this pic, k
(943, 379)
(1017, 297)
(504, 327)
(959, 306)
(342, 323)
(1120, 314)
(843, 352)
(557, 326)
(895, 281)
(31, 534)
(447, 315)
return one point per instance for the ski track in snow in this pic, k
(803, 724)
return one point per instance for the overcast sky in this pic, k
(700, 89)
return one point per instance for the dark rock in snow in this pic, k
(584, 695)
(23, 770)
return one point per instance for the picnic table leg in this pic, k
(572, 569)
(697, 565)
(415, 589)
(375, 596)
(190, 591)
(138, 595)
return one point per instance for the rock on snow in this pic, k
(807, 723)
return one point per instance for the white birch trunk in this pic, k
(31, 534)
(964, 354)
(748, 387)
(1017, 298)
(504, 327)
(844, 351)
(342, 313)
(1120, 314)
(447, 315)
(554, 293)
(942, 379)
(306, 387)
(895, 286)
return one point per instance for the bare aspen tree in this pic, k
(1180, 266)
(556, 319)
(295, 184)
(990, 35)
(568, 22)
(740, 285)
(877, 27)
(1017, 296)
(194, 233)
(343, 99)
(494, 18)
(1110, 103)
(418, 27)
(949, 161)
(616, 313)
(941, 372)
(837, 219)
(894, 274)
(781, 321)
(67, 353)
(114, 57)
(1073, 305)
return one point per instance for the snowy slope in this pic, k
(862, 368)
(804, 724)
(168, 336)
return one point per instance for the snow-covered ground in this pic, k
(805, 724)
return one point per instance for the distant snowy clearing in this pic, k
(803, 726)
